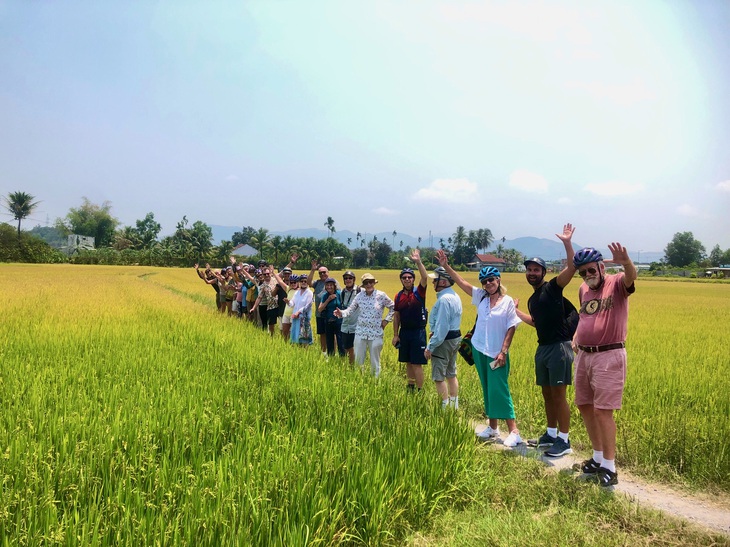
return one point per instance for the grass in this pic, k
(131, 414)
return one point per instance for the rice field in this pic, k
(132, 413)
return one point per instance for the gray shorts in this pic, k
(443, 360)
(554, 364)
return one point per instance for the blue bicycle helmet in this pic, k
(488, 271)
(587, 255)
(407, 271)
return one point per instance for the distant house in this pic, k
(480, 261)
(244, 250)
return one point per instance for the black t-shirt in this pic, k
(281, 305)
(549, 314)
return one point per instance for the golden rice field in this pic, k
(132, 413)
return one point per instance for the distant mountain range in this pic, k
(548, 249)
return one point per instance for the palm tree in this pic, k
(260, 240)
(21, 205)
(419, 241)
(349, 241)
(394, 234)
(330, 223)
(358, 236)
(277, 246)
(485, 238)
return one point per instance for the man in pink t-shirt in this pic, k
(600, 363)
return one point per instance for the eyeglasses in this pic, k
(587, 271)
(346, 278)
(407, 277)
(368, 282)
(323, 273)
(488, 280)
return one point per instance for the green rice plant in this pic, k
(133, 413)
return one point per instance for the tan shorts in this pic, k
(600, 378)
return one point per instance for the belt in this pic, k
(452, 334)
(596, 349)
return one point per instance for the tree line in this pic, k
(193, 242)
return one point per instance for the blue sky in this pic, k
(406, 116)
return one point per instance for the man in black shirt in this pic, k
(554, 318)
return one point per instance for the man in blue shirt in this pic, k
(445, 338)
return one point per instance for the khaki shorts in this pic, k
(443, 360)
(600, 378)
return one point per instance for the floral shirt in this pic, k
(369, 322)
(269, 297)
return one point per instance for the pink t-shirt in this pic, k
(604, 313)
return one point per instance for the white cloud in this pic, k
(688, 211)
(723, 186)
(616, 188)
(564, 201)
(384, 211)
(528, 181)
(448, 190)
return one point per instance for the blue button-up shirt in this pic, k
(445, 316)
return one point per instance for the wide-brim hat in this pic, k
(367, 276)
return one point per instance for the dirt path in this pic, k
(712, 514)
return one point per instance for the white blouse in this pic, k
(492, 323)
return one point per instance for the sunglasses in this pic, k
(407, 277)
(346, 278)
(587, 271)
(489, 280)
(368, 282)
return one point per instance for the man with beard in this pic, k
(600, 363)
(549, 313)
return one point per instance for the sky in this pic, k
(411, 116)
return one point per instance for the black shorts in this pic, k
(269, 316)
(321, 325)
(348, 340)
(554, 364)
(412, 346)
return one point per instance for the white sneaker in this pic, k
(512, 440)
(488, 434)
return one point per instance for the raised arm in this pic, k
(460, 281)
(565, 276)
(416, 257)
(310, 279)
(621, 256)
(280, 281)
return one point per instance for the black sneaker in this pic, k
(590, 467)
(559, 448)
(545, 440)
(606, 477)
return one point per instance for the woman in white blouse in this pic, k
(370, 322)
(496, 323)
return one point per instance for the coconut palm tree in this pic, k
(21, 205)
(330, 224)
(394, 234)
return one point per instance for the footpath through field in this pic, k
(701, 511)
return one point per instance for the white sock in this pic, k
(552, 431)
(563, 436)
(444, 403)
(454, 402)
(598, 456)
(609, 464)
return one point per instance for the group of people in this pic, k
(351, 321)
